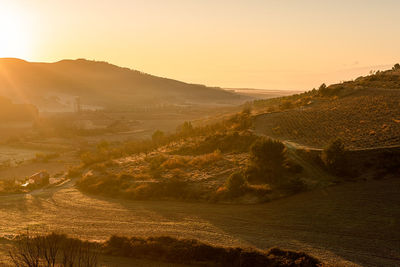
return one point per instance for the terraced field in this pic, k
(368, 118)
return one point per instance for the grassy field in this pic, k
(350, 224)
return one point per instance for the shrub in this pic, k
(286, 104)
(53, 250)
(74, 171)
(174, 162)
(334, 158)
(155, 165)
(236, 184)
(268, 158)
(189, 251)
(268, 152)
(240, 121)
(294, 185)
(225, 142)
(61, 250)
(205, 160)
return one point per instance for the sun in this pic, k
(15, 38)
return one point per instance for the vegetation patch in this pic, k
(61, 250)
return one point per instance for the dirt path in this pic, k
(355, 223)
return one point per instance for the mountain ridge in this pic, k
(101, 83)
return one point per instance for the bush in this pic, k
(155, 165)
(293, 186)
(268, 158)
(174, 162)
(188, 251)
(207, 159)
(236, 184)
(268, 152)
(225, 142)
(60, 250)
(334, 158)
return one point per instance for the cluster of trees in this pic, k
(269, 165)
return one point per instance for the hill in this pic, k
(364, 113)
(99, 84)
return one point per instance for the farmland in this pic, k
(364, 119)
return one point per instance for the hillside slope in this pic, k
(100, 84)
(364, 113)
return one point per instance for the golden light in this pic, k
(15, 37)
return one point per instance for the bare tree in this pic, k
(53, 250)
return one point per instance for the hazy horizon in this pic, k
(188, 133)
(346, 75)
(230, 44)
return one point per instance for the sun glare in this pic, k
(14, 34)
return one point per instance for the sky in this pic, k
(269, 44)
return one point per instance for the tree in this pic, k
(396, 66)
(323, 89)
(334, 157)
(268, 158)
(268, 152)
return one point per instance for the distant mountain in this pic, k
(99, 84)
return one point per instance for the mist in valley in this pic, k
(175, 133)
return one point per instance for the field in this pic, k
(351, 224)
(365, 119)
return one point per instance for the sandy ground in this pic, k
(349, 224)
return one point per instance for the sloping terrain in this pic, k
(364, 114)
(99, 84)
(353, 224)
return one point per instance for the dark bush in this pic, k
(193, 251)
(268, 159)
(60, 250)
(335, 158)
(236, 184)
(294, 185)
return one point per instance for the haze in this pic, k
(258, 44)
(137, 133)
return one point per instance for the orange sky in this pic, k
(271, 44)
